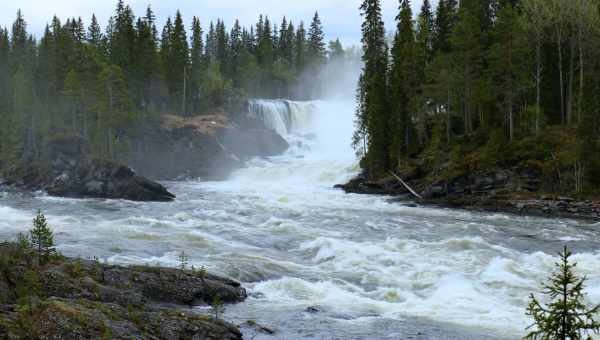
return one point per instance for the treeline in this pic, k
(101, 84)
(481, 84)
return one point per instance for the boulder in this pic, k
(106, 179)
(71, 172)
(253, 142)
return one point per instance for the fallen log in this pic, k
(407, 186)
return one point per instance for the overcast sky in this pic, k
(340, 17)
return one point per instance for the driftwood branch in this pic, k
(406, 186)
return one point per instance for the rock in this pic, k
(195, 148)
(362, 185)
(80, 299)
(106, 179)
(82, 319)
(313, 309)
(257, 328)
(253, 142)
(72, 173)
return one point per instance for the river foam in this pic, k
(367, 268)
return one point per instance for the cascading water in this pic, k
(320, 264)
(283, 116)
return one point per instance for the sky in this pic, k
(340, 18)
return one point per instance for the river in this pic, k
(320, 264)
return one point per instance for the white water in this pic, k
(375, 269)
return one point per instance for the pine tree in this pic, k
(42, 238)
(566, 316)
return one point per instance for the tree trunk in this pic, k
(581, 66)
(448, 128)
(538, 80)
(184, 90)
(560, 71)
(571, 79)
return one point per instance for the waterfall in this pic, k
(283, 116)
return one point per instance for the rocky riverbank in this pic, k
(70, 172)
(81, 299)
(493, 191)
(207, 147)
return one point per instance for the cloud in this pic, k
(340, 17)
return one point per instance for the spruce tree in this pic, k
(94, 35)
(566, 316)
(316, 42)
(197, 66)
(445, 19)
(300, 48)
(122, 38)
(403, 82)
(373, 116)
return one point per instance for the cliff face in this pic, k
(207, 147)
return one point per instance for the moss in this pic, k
(75, 269)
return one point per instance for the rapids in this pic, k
(369, 268)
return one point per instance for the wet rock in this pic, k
(246, 143)
(72, 173)
(313, 309)
(257, 328)
(362, 185)
(106, 179)
(79, 299)
(208, 147)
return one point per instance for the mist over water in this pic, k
(371, 269)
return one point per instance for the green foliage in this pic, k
(76, 269)
(108, 85)
(184, 260)
(29, 292)
(42, 239)
(218, 308)
(566, 316)
(500, 77)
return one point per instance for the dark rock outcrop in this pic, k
(77, 299)
(70, 173)
(208, 147)
(501, 190)
(362, 185)
(248, 143)
(105, 179)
